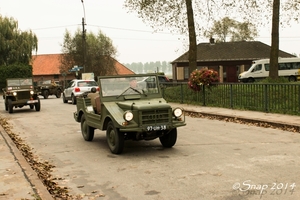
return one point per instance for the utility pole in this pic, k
(83, 39)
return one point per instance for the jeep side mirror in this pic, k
(93, 90)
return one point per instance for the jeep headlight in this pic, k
(128, 116)
(177, 112)
(15, 93)
(31, 92)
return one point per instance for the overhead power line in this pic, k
(53, 27)
(123, 29)
(135, 30)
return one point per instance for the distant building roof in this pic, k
(121, 69)
(48, 64)
(229, 51)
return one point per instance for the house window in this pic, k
(186, 73)
(180, 73)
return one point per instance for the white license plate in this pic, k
(156, 128)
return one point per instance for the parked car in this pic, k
(20, 92)
(150, 81)
(128, 111)
(76, 88)
(163, 79)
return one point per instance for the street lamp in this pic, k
(83, 37)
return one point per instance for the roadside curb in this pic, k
(29, 174)
(258, 121)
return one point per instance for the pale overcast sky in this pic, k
(134, 40)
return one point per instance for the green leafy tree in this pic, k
(227, 27)
(164, 66)
(99, 53)
(16, 46)
(264, 12)
(146, 67)
(16, 70)
(175, 14)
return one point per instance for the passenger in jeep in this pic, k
(135, 86)
(133, 83)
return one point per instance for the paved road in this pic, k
(209, 159)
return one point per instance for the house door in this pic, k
(231, 74)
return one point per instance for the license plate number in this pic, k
(156, 128)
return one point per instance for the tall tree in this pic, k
(164, 13)
(99, 52)
(275, 41)
(192, 35)
(174, 14)
(264, 12)
(237, 31)
(16, 46)
(221, 29)
(246, 31)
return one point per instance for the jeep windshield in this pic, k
(19, 82)
(45, 82)
(118, 86)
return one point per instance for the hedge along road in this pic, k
(211, 160)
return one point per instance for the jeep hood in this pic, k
(144, 104)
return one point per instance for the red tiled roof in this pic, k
(45, 64)
(121, 69)
(48, 64)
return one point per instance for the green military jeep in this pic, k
(128, 107)
(48, 87)
(20, 92)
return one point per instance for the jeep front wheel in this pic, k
(10, 106)
(169, 139)
(37, 105)
(115, 138)
(86, 130)
(46, 94)
(58, 94)
(6, 107)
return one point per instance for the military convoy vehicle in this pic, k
(20, 92)
(128, 108)
(48, 87)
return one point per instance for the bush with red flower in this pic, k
(202, 77)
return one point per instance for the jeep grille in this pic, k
(23, 95)
(155, 116)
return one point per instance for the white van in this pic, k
(288, 67)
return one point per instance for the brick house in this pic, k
(228, 58)
(46, 67)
